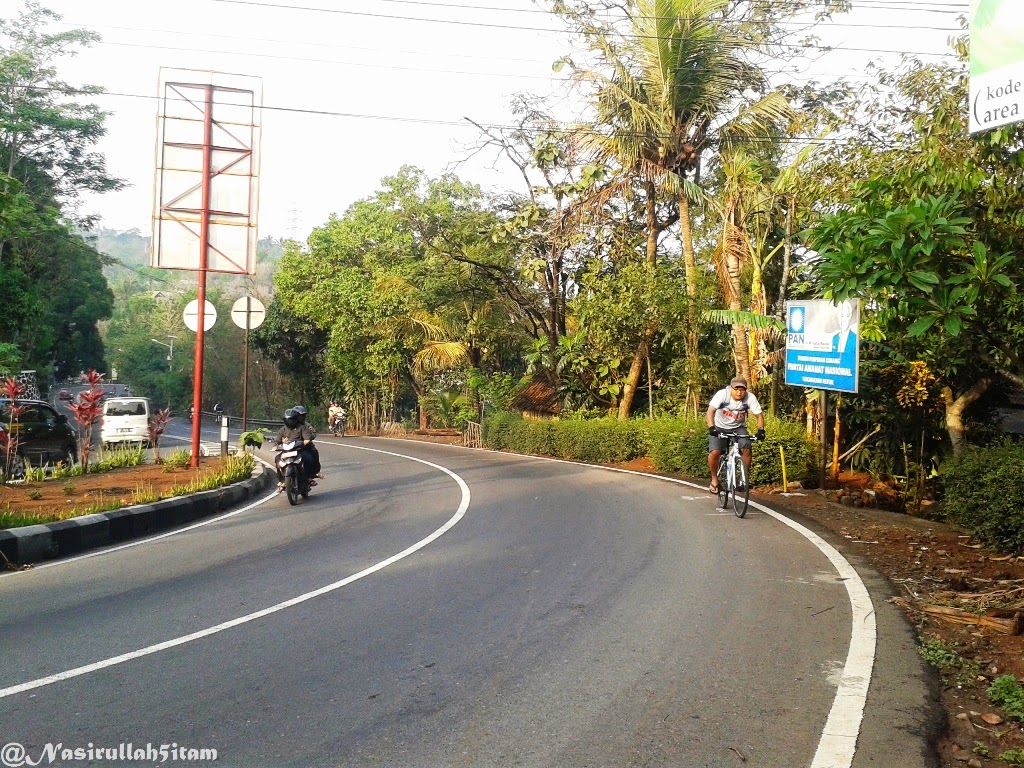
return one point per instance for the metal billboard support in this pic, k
(219, 164)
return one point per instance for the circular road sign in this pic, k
(248, 313)
(191, 315)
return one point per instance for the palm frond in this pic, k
(746, 319)
(440, 356)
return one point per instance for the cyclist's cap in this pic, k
(739, 381)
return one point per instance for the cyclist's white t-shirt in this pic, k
(731, 413)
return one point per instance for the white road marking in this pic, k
(838, 742)
(149, 650)
(155, 537)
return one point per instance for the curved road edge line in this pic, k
(149, 650)
(838, 742)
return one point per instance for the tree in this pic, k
(390, 291)
(52, 277)
(678, 82)
(927, 232)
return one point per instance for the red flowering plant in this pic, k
(88, 411)
(157, 424)
(13, 465)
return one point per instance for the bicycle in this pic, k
(732, 475)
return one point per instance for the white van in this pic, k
(125, 420)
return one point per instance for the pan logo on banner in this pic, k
(823, 344)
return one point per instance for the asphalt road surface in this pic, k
(433, 606)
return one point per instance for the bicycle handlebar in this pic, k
(734, 436)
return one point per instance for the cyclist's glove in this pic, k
(711, 431)
(760, 434)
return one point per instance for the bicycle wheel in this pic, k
(741, 491)
(723, 483)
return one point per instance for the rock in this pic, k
(992, 718)
(846, 501)
(974, 763)
(962, 716)
(796, 485)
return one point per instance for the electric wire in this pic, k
(465, 123)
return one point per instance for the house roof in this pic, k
(539, 397)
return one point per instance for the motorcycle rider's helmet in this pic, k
(291, 418)
(301, 412)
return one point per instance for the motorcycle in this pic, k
(338, 425)
(296, 481)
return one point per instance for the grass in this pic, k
(1006, 692)
(962, 671)
(238, 467)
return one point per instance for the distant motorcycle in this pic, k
(338, 425)
(296, 482)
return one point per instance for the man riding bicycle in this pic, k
(727, 415)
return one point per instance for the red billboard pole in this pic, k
(204, 244)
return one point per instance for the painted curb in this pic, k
(32, 543)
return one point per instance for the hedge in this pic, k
(984, 494)
(674, 445)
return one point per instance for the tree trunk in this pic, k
(644, 347)
(955, 407)
(635, 369)
(778, 370)
(691, 336)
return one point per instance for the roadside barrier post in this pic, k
(224, 436)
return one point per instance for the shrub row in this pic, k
(674, 445)
(983, 493)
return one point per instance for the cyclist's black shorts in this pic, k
(722, 443)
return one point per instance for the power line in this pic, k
(462, 123)
(464, 23)
(306, 43)
(307, 59)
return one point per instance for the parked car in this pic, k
(65, 395)
(41, 436)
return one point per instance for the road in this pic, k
(434, 606)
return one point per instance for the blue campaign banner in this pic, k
(823, 344)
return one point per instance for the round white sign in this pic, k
(248, 313)
(191, 315)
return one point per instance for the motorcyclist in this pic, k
(311, 449)
(293, 429)
(336, 417)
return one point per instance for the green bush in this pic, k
(679, 446)
(604, 441)
(983, 493)
(674, 445)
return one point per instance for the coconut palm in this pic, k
(676, 87)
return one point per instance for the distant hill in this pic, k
(130, 251)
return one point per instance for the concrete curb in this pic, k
(31, 543)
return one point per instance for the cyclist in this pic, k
(727, 414)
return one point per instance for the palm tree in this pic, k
(678, 86)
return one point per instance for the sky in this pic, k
(354, 89)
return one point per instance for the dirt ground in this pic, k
(74, 496)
